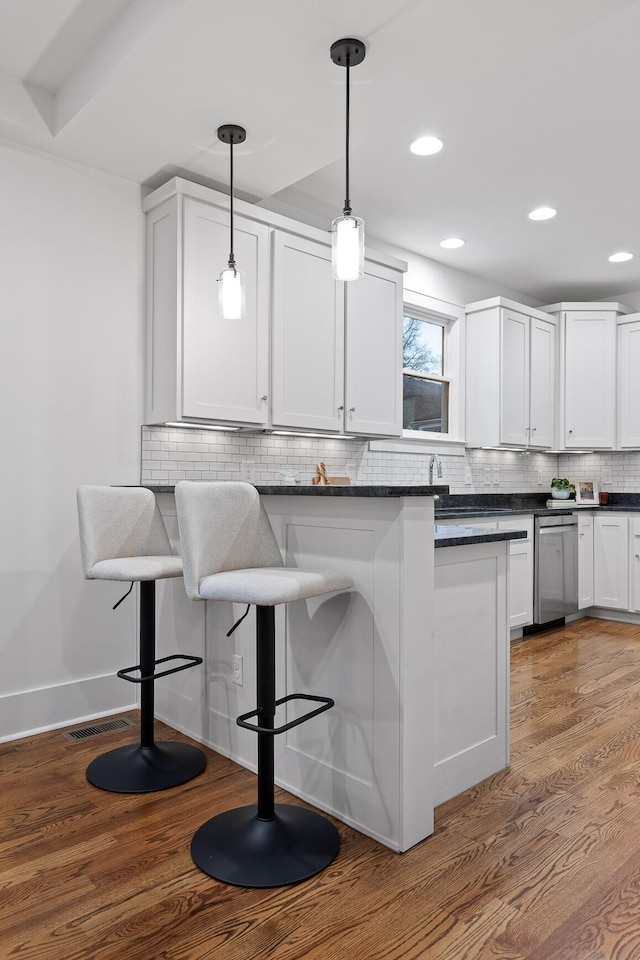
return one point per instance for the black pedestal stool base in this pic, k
(137, 769)
(238, 848)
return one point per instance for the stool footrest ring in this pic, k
(326, 702)
(191, 662)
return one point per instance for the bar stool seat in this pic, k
(123, 538)
(230, 554)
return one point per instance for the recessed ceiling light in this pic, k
(452, 243)
(620, 257)
(424, 146)
(542, 213)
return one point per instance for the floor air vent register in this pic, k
(97, 729)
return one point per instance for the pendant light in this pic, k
(347, 242)
(231, 300)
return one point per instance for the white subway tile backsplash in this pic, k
(170, 454)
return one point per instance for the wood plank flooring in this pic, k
(540, 862)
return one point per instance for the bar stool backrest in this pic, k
(117, 522)
(223, 526)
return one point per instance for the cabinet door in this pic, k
(514, 399)
(629, 383)
(611, 561)
(585, 561)
(520, 572)
(634, 599)
(373, 364)
(590, 377)
(225, 363)
(542, 382)
(307, 337)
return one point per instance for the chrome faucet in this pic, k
(436, 462)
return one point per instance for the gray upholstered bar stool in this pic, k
(123, 537)
(230, 553)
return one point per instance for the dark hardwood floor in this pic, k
(540, 862)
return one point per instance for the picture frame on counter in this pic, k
(587, 492)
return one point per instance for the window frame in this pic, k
(435, 321)
(452, 318)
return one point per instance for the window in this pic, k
(425, 401)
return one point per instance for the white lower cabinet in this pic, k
(634, 564)
(585, 561)
(520, 572)
(611, 561)
(471, 663)
(520, 564)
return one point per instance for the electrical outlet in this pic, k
(248, 471)
(467, 477)
(236, 669)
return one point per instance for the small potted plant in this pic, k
(562, 489)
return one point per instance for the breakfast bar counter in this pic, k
(380, 759)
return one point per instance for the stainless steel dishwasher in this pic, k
(555, 584)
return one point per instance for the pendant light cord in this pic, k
(232, 262)
(347, 201)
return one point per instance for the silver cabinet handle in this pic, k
(352, 409)
(533, 429)
(570, 432)
(341, 407)
(265, 397)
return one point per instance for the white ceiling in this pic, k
(535, 101)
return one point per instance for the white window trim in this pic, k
(453, 318)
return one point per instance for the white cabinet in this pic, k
(471, 666)
(629, 381)
(520, 572)
(520, 600)
(327, 372)
(307, 337)
(587, 408)
(634, 564)
(373, 352)
(585, 561)
(337, 348)
(200, 367)
(511, 375)
(611, 561)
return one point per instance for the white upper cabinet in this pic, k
(589, 386)
(629, 381)
(307, 337)
(337, 348)
(200, 367)
(309, 355)
(225, 362)
(511, 375)
(373, 374)
(587, 409)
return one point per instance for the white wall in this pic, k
(71, 373)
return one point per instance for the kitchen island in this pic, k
(398, 739)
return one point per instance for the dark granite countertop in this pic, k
(464, 534)
(353, 490)
(349, 490)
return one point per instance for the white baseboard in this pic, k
(35, 711)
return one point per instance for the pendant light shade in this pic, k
(347, 231)
(231, 288)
